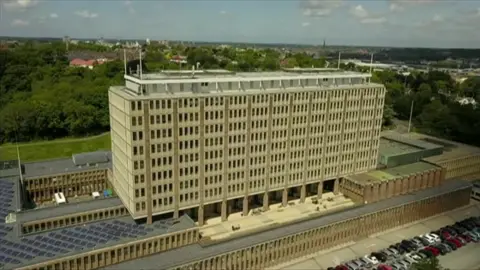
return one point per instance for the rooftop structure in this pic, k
(390, 174)
(451, 150)
(190, 140)
(396, 149)
(223, 82)
(78, 162)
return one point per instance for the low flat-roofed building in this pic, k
(390, 182)
(461, 161)
(82, 239)
(396, 149)
(80, 175)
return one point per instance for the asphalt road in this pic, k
(465, 258)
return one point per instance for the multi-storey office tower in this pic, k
(196, 141)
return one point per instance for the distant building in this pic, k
(179, 59)
(91, 63)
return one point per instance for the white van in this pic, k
(60, 198)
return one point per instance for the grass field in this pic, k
(56, 148)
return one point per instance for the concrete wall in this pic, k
(403, 185)
(303, 243)
(43, 188)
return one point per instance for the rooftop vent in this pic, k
(89, 158)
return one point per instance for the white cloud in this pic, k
(305, 24)
(365, 17)
(86, 14)
(20, 5)
(223, 12)
(400, 5)
(319, 8)
(130, 8)
(438, 18)
(396, 7)
(19, 22)
(359, 11)
(377, 20)
(53, 15)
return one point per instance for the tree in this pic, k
(427, 264)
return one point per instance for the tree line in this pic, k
(42, 98)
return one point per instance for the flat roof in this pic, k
(128, 95)
(61, 166)
(197, 76)
(9, 168)
(221, 73)
(391, 173)
(393, 148)
(67, 209)
(408, 140)
(41, 247)
(452, 150)
(9, 197)
(196, 252)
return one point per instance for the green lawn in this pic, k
(56, 148)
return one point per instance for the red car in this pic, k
(467, 238)
(341, 267)
(384, 267)
(435, 251)
(446, 234)
(455, 242)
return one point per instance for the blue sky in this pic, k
(413, 23)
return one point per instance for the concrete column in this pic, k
(224, 210)
(176, 213)
(245, 206)
(336, 186)
(320, 190)
(284, 197)
(265, 201)
(303, 193)
(201, 220)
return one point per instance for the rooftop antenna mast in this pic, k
(140, 68)
(339, 57)
(371, 68)
(125, 60)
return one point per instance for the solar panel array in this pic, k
(64, 241)
(7, 192)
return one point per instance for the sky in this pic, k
(399, 23)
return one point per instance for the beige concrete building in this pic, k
(214, 141)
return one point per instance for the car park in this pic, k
(401, 255)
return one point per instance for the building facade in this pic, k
(182, 142)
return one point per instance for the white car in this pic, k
(435, 237)
(430, 240)
(372, 259)
(413, 258)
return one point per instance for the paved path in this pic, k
(55, 141)
(466, 258)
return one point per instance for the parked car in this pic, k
(372, 259)
(384, 267)
(381, 257)
(412, 257)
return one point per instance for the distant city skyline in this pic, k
(413, 23)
